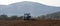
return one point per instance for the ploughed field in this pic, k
(29, 22)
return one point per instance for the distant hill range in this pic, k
(36, 9)
(55, 16)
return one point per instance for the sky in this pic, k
(46, 2)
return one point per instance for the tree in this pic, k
(21, 17)
(13, 17)
(5, 17)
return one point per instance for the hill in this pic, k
(54, 16)
(19, 8)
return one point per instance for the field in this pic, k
(29, 22)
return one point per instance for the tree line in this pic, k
(55, 16)
(52, 16)
(5, 17)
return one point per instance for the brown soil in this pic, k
(30, 23)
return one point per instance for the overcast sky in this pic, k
(46, 2)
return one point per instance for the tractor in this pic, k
(27, 16)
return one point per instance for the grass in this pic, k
(29, 23)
